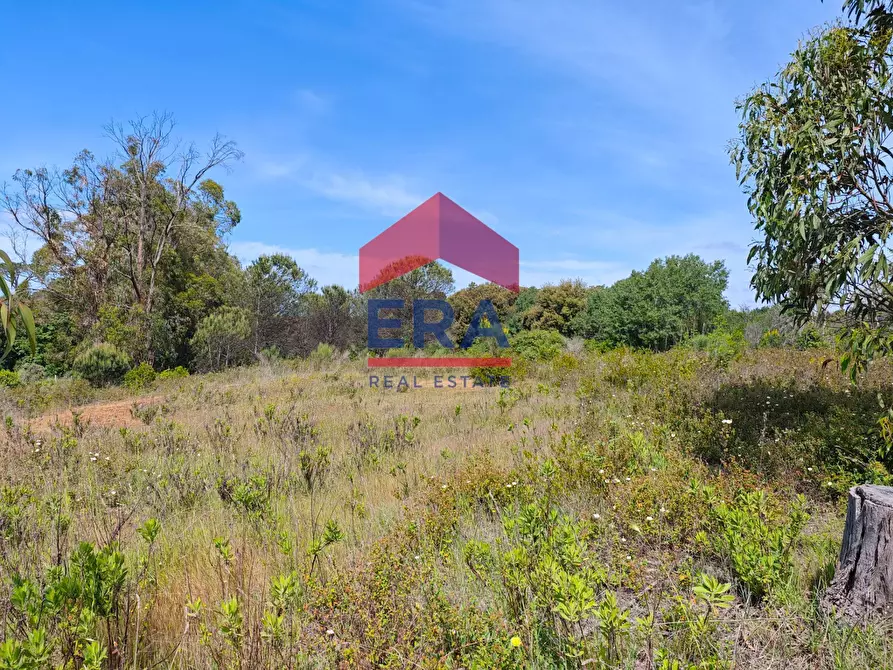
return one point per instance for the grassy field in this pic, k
(617, 510)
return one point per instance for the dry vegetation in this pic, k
(591, 515)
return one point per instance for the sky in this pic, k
(591, 134)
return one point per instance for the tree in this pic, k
(116, 230)
(813, 157)
(555, 307)
(432, 281)
(275, 288)
(465, 302)
(221, 339)
(674, 298)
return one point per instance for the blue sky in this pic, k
(591, 134)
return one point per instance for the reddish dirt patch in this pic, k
(110, 414)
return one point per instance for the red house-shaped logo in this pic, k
(439, 229)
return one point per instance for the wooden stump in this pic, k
(863, 583)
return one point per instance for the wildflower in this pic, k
(649, 518)
(93, 458)
(623, 540)
(113, 492)
(628, 557)
(663, 510)
(596, 516)
(443, 488)
(330, 632)
(727, 421)
(653, 469)
(616, 481)
(601, 471)
(810, 469)
(515, 641)
(628, 479)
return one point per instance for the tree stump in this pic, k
(863, 582)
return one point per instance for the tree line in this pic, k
(131, 256)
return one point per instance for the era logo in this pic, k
(477, 328)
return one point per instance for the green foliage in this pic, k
(465, 302)
(556, 307)
(140, 377)
(102, 364)
(722, 347)
(813, 158)
(178, 372)
(538, 345)
(221, 339)
(756, 538)
(9, 379)
(324, 353)
(12, 309)
(674, 298)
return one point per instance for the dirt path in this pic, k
(108, 414)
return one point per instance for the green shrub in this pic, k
(9, 379)
(771, 339)
(323, 353)
(810, 338)
(102, 364)
(178, 372)
(538, 345)
(139, 377)
(756, 538)
(722, 347)
(30, 372)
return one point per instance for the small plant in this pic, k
(102, 364)
(9, 379)
(139, 378)
(178, 372)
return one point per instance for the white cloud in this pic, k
(324, 266)
(388, 195)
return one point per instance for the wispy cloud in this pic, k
(324, 266)
(388, 194)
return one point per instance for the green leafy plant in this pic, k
(102, 364)
(140, 377)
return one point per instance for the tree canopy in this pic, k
(813, 156)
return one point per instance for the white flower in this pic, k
(330, 632)
(810, 469)
(601, 472)
(596, 516)
(93, 458)
(663, 510)
(114, 492)
(616, 481)
(628, 479)
(653, 469)
(727, 421)
(628, 557)
(649, 518)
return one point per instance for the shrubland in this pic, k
(609, 509)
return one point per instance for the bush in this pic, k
(102, 364)
(9, 379)
(178, 372)
(771, 339)
(139, 377)
(722, 347)
(810, 338)
(322, 354)
(538, 345)
(30, 372)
